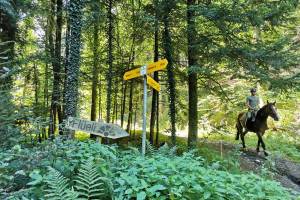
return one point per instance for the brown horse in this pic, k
(259, 126)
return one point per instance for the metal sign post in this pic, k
(143, 71)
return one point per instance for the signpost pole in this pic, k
(143, 71)
(144, 116)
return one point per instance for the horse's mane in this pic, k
(261, 112)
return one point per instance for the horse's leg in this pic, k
(262, 143)
(239, 129)
(263, 146)
(258, 143)
(243, 138)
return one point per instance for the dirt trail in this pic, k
(286, 172)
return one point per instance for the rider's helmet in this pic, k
(253, 90)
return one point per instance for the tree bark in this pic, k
(67, 51)
(123, 103)
(56, 63)
(100, 99)
(167, 42)
(110, 60)
(52, 120)
(157, 121)
(95, 73)
(154, 92)
(72, 69)
(130, 110)
(192, 75)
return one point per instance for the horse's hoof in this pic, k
(266, 154)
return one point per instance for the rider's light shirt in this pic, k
(253, 102)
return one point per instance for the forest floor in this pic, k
(283, 167)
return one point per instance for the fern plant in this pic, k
(150, 148)
(89, 184)
(58, 187)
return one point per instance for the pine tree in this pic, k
(167, 42)
(110, 59)
(154, 110)
(95, 11)
(192, 75)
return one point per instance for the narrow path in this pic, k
(286, 172)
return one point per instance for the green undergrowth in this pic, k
(284, 144)
(75, 169)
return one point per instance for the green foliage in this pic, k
(90, 184)
(282, 143)
(23, 166)
(58, 187)
(103, 172)
(186, 177)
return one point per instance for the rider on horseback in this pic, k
(252, 103)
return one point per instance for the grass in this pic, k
(285, 144)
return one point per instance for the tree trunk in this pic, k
(67, 51)
(192, 76)
(100, 100)
(110, 60)
(52, 121)
(56, 63)
(130, 110)
(46, 98)
(59, 18)
(157, 121)
(36, 90)
(154, 92)
(95, 73)
(167, 42)
(123, 103)
(134, 123)
(72, 69)
(115, 115)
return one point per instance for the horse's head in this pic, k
(272, 111)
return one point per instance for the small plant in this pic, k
(89, 184)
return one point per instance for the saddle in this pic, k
(243, 119)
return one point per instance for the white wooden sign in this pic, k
(97, 128)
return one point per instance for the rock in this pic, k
(289, 169)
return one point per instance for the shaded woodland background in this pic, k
(67, 58)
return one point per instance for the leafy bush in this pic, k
(186, 177)
(22, 167)
(88, 169)
(89, 184)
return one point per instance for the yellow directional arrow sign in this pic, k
(153, 83)
(132, 74)
(156, 66)
(143, 71)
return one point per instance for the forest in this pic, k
(149, 99)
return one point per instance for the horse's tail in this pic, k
(239, 127)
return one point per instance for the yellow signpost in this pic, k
(132, 74)
(143, 71)
(153, 83)
(156, 66)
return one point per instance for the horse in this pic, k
(259, 126)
